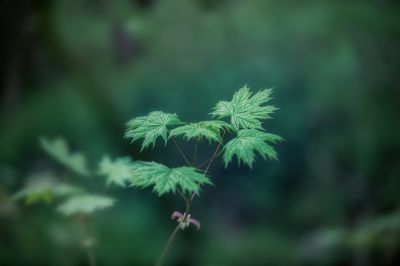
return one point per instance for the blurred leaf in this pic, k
(247, 142)
(165, 179)
(246, 111)
(58, 149)
(85, 204)
(150, 127)
(117, 172)
(45, 189)
(211, 130)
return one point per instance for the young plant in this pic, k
(76, 201)
(245, 114)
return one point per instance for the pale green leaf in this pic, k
(246, 111)
(150, 127)
(165, 179)
(84, 204)
(58, 149)
(247, 143)
(210, 130)
(44, 188)
(117, 172)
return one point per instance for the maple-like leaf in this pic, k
(150, 127)
(165, 179)
(247, 143)
(44, 188)
(246, 111)
(58, 149)
(84, 204)
(210, 130)
(117, 172)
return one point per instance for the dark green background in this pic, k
(81, 69)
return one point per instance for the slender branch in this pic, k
(215, 155)
(171, 238)
(209, 159)
(87, 241)
(194, 153)
(188, 201)
(183, 196)
(181, 152)
(166, 248)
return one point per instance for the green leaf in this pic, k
(165, 179)
(117, 172)
(210, 130)
(85, 204)
(247, 142)
(150, 127)
(44, 188)
(246, 111)
(58, 149)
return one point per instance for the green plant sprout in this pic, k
(76, 201)
(245, 114)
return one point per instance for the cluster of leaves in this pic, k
(246, 113)
(45, 188)
(58, 149)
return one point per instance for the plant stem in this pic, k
(194, 153)
(86, 238)
(208, 160)
(181, 152)
(215, 155)
(171, 238)
(166, 248)
(90, 255)
(188, 201)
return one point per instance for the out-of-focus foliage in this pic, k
(117, 172)
(44, 188)
(84, 204)
(58, 149)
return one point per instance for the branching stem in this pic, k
(181, 152)
(161, 260)
(188, 200)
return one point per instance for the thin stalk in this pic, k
(166, 248)
(87, 241)
(208, 160)
(188, 202)
(183, 196)
(161, 260)
(194, 153)
(181, 152)
(215, 155)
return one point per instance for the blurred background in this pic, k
(81, 69)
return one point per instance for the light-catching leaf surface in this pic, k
(45, 189)
(150, 127)
(117, 172)
(58, 149)
(246, 111)
(247, 143)
(85, 204)
(165, 179)
(210, 130)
